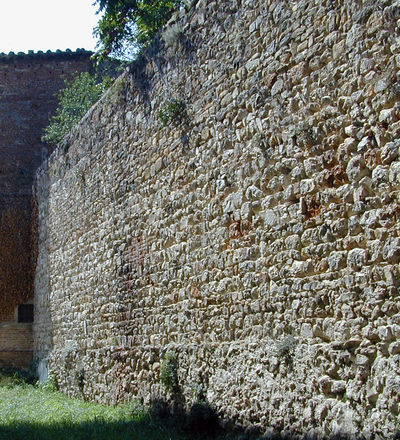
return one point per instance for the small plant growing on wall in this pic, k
(80, 378)
(169, 372)
(51, 384)
(199, 392)
(285, 348)
(305, 135)
(80, 179)
(173, 112)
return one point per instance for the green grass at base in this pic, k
(32, 413)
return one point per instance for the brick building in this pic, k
(28, 87)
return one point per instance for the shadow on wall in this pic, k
(202, 421)
(153, 57)
(42, 311)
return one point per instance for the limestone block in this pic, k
(375, 251)
(391, 250)
(277, 87)
(345, 193)
(292, 242)
(325, 384)
(389, 152)
(307, 186)
(299, 268)
(362, 360)
(380, 175)
(338, 387)
(386, 116)
(394, 348)
(337, 260)
(312, 166)
(339, 49)
(297, 173)
(354, 133)
(357, 258)
(306, 331)
(246, 211)
(366, 65)
(364, 145)
(354, 36)
(252, 64)
(270, 218)
(356, 169)
(253, 193)
(385, 333)
(394, 173)
(232, 202)
(297, 72)
(369, 219)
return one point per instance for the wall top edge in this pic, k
(40, 55)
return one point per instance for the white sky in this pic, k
(46, 25)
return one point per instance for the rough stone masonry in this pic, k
(255, 232)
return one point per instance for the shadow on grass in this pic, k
(201, 422)
(156, 424)
(95, 430)
(98, 430)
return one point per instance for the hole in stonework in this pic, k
(25, 313)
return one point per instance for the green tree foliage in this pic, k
(131, 24)
(75, 100)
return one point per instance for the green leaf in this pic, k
(74, 101)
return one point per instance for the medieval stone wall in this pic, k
(256, 234)
(28, 87)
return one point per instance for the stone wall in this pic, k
(256, 234)
(28, 87)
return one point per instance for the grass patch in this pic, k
(28, 412)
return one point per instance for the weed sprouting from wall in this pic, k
(172, 34)
(80, 378)
(285, 348)
(51, 384)
(173, 112)
(169, 372)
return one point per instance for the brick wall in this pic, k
(16, 344)
(28, 87)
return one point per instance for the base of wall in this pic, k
(16, 358)
(43, 370)
(16, 345)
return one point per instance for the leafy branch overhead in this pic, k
(124, 27)
(130, 24)
(74, 101)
